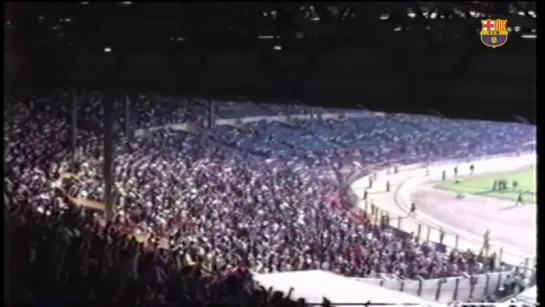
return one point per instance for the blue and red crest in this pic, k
(494, 32)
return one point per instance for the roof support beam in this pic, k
(317, 52)
(444, 86)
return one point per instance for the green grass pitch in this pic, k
(482, 185)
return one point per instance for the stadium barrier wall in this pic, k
(443, 290)
(189, 126)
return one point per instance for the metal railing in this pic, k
(445, 290)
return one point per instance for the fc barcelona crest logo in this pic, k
(494, 32)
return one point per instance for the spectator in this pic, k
(265, 197)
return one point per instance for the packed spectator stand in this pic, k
(198, 212)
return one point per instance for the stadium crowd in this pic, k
(219, 203)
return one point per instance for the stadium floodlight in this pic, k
(529, 36)
(107, 49)
(411, 13)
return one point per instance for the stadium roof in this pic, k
(382, 55)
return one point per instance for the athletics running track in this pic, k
(513, 230)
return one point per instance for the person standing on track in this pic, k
(519, 200)
(365, 194)
(441, 235)
(486, 241)
(388, 185)
(413, 209)
(514, 185)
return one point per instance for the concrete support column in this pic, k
(211, 113)
(108, 153)
(7, 261)
(7, 221)
(128, 124)
(73, 125)
(7, 101)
